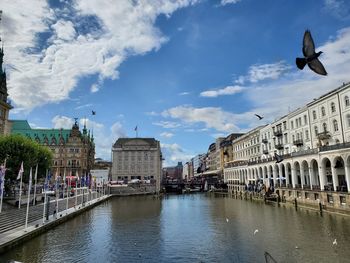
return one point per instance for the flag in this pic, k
(47, 181)
(135, 128)
(2, 177)
(20, 172)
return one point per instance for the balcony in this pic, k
(278, 133)
(264, 141)
(279, 146)
(335, 147)
(323, 135)
(298, 142)
(265, 152)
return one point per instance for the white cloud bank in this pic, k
(229, 90)
(49, 74)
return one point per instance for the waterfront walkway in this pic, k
(12, 221)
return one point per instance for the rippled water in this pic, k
(190, 228)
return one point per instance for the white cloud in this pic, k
(184, 93)
(83, 106)
(94, 88)
(226, 2)
(261, 72)
(167, 134)
(212, 117)
(167, 124)
(174, 153)
(229, 90)
(338, 8)
(56, 64)
(151, 113)
(62, 122)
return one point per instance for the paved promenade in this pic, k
(12, 221)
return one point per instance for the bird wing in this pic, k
(308, 44)
(258, 116)
(317, 66)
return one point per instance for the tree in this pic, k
(17, 148)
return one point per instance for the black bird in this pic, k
(278, 158)
(260, 117)
(93, 112)
(310, 56)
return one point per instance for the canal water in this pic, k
(190, 228)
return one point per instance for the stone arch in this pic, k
(283, 179)
(288, 170)
(315, 176)
(305, 174)
(338, 171)
(297, 171)
(326, 167)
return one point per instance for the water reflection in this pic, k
(190, 228)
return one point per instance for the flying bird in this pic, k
(256, 231)
(335, 242)
(278, 158)
(260, 117)
(93, 112)
(310, 56)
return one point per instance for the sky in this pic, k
(182, 71)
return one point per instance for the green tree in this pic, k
(17, 148)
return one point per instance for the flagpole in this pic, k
(35, 180)
(28, 200)
(44, 209)
(2, 184)
(20, 191)
(57, 193)
(67, 196)
(76, 190)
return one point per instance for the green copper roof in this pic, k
(22, 127)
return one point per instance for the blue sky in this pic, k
(185, 72)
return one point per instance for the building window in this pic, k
(292, 125)
(347, 102)
(306, 134)
(285, 125)
(335, 125)
(323, 111)
(342, 200)
(305, 119)
(324, 125)
(348, 119)
(314, 115)
(333, 107)
(330, 199)
(293, 138)
(317, 196)
(316, 130)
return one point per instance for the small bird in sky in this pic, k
(256, 231)
(335, 242)
(310, 56)
(278, 158)
(260, 117)
(227, 220)
(93, 112)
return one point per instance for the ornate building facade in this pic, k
(73, 150)
(5, 106)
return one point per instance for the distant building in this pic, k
(137, 158)
(173, 172)
(102, 164)
(73, 151)
(5, 105)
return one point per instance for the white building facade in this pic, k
(137, 158)
(314, 142)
